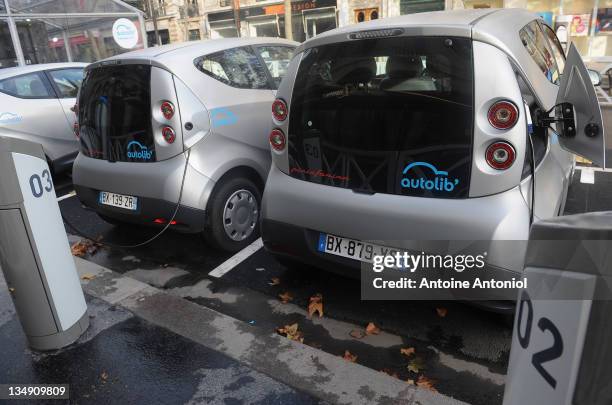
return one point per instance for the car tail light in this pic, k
(168, 134)
(162, 221)
(167, 110)
(279, 109)
(277, 140)
(500, 155)
(503, 115)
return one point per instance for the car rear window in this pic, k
(115, 114)
(387, 115)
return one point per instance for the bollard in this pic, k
(561, 351)
(34, 253)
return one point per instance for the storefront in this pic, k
(309, 18)
(36, 31)
(586, 23)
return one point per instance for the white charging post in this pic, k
(34, 253)
(561, 345)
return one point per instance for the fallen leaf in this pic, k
(79, 249)
(426, 383)
(357, 334)
(389, 372)
(407, 351)
(315, 305)
(88, 277)
(372, 329)
(416, 365)
(274, 281)
(349, 357)
(11, 289)
(285, 297)
(291, 332)
(441, 312)
(410, 381)
(104, 376)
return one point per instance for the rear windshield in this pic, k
(387, 115)
(115, 114)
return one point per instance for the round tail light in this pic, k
(500, 155)
(167, 110)
(503, 115)
(279, 109)
(277, 140)
(168, 134)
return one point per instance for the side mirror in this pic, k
(595, 77)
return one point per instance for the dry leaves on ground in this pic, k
(88, 277)
(315, 305)
(426, 383)
(84, 247)
(389, 372)
(372, 329)
(348, 356)
(407, 351)
(441, 312)
(357, 334)
(285, 297)
(416, 365)
(274, 281)
(291, 332)
(104, 376)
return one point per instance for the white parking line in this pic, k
(65, 196)
(235, 260)
(587, 176)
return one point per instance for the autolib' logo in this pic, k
(136, 150)
(10, 118)
(440, 182)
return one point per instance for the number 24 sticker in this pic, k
(40, 184)
(524, 338)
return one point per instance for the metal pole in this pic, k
(153, 15)
(14, 35)
(288, 23)
(143, 31)
(236, 8)
(593, 25)
(67, 45)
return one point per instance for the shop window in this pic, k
(7, 52)
(67, 81)
(366, 14)
(236, 67)
(538, 47)
(41, 41)
(25, 86)
(420, 6)
(277, 60)
(194, 35)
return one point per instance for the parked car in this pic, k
(35, 104)
(418, 128)
(197, 112)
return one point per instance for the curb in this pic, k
(323, 375)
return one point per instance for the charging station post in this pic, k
(34, 252)
(561, 352)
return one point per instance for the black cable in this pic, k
(151, 239)
(532, 155)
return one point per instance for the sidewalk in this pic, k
(146, 346)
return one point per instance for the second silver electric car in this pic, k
(184, 122)
(419, 128)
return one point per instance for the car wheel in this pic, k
(233, 217)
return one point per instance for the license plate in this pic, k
(351, 248)
(119, 200)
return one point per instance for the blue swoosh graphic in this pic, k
(429, 165)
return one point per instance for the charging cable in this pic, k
(151, 239)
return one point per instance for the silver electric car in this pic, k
(178, 134)
(425, 127)
(35, 104)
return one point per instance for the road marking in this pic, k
(66, 196)
(235, 260)
(587, 176)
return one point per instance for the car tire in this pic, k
(233, 214)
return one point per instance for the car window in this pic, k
(67, 81)
(538, 47)
(237, 67)
(25, 86)
(277, 60)
(556, 47)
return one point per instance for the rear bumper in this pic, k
(189, 220)
(157, 186)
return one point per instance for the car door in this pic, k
(30, 110)
(66, 83)
(581, 127)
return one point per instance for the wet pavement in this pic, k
(464, 353)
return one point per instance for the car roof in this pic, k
(168, 55)
(20, 70)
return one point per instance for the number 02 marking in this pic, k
(36, 183)
(545, 324)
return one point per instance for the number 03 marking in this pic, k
(36, 183)
(545, 324)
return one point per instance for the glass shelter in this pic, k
(45, 31)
